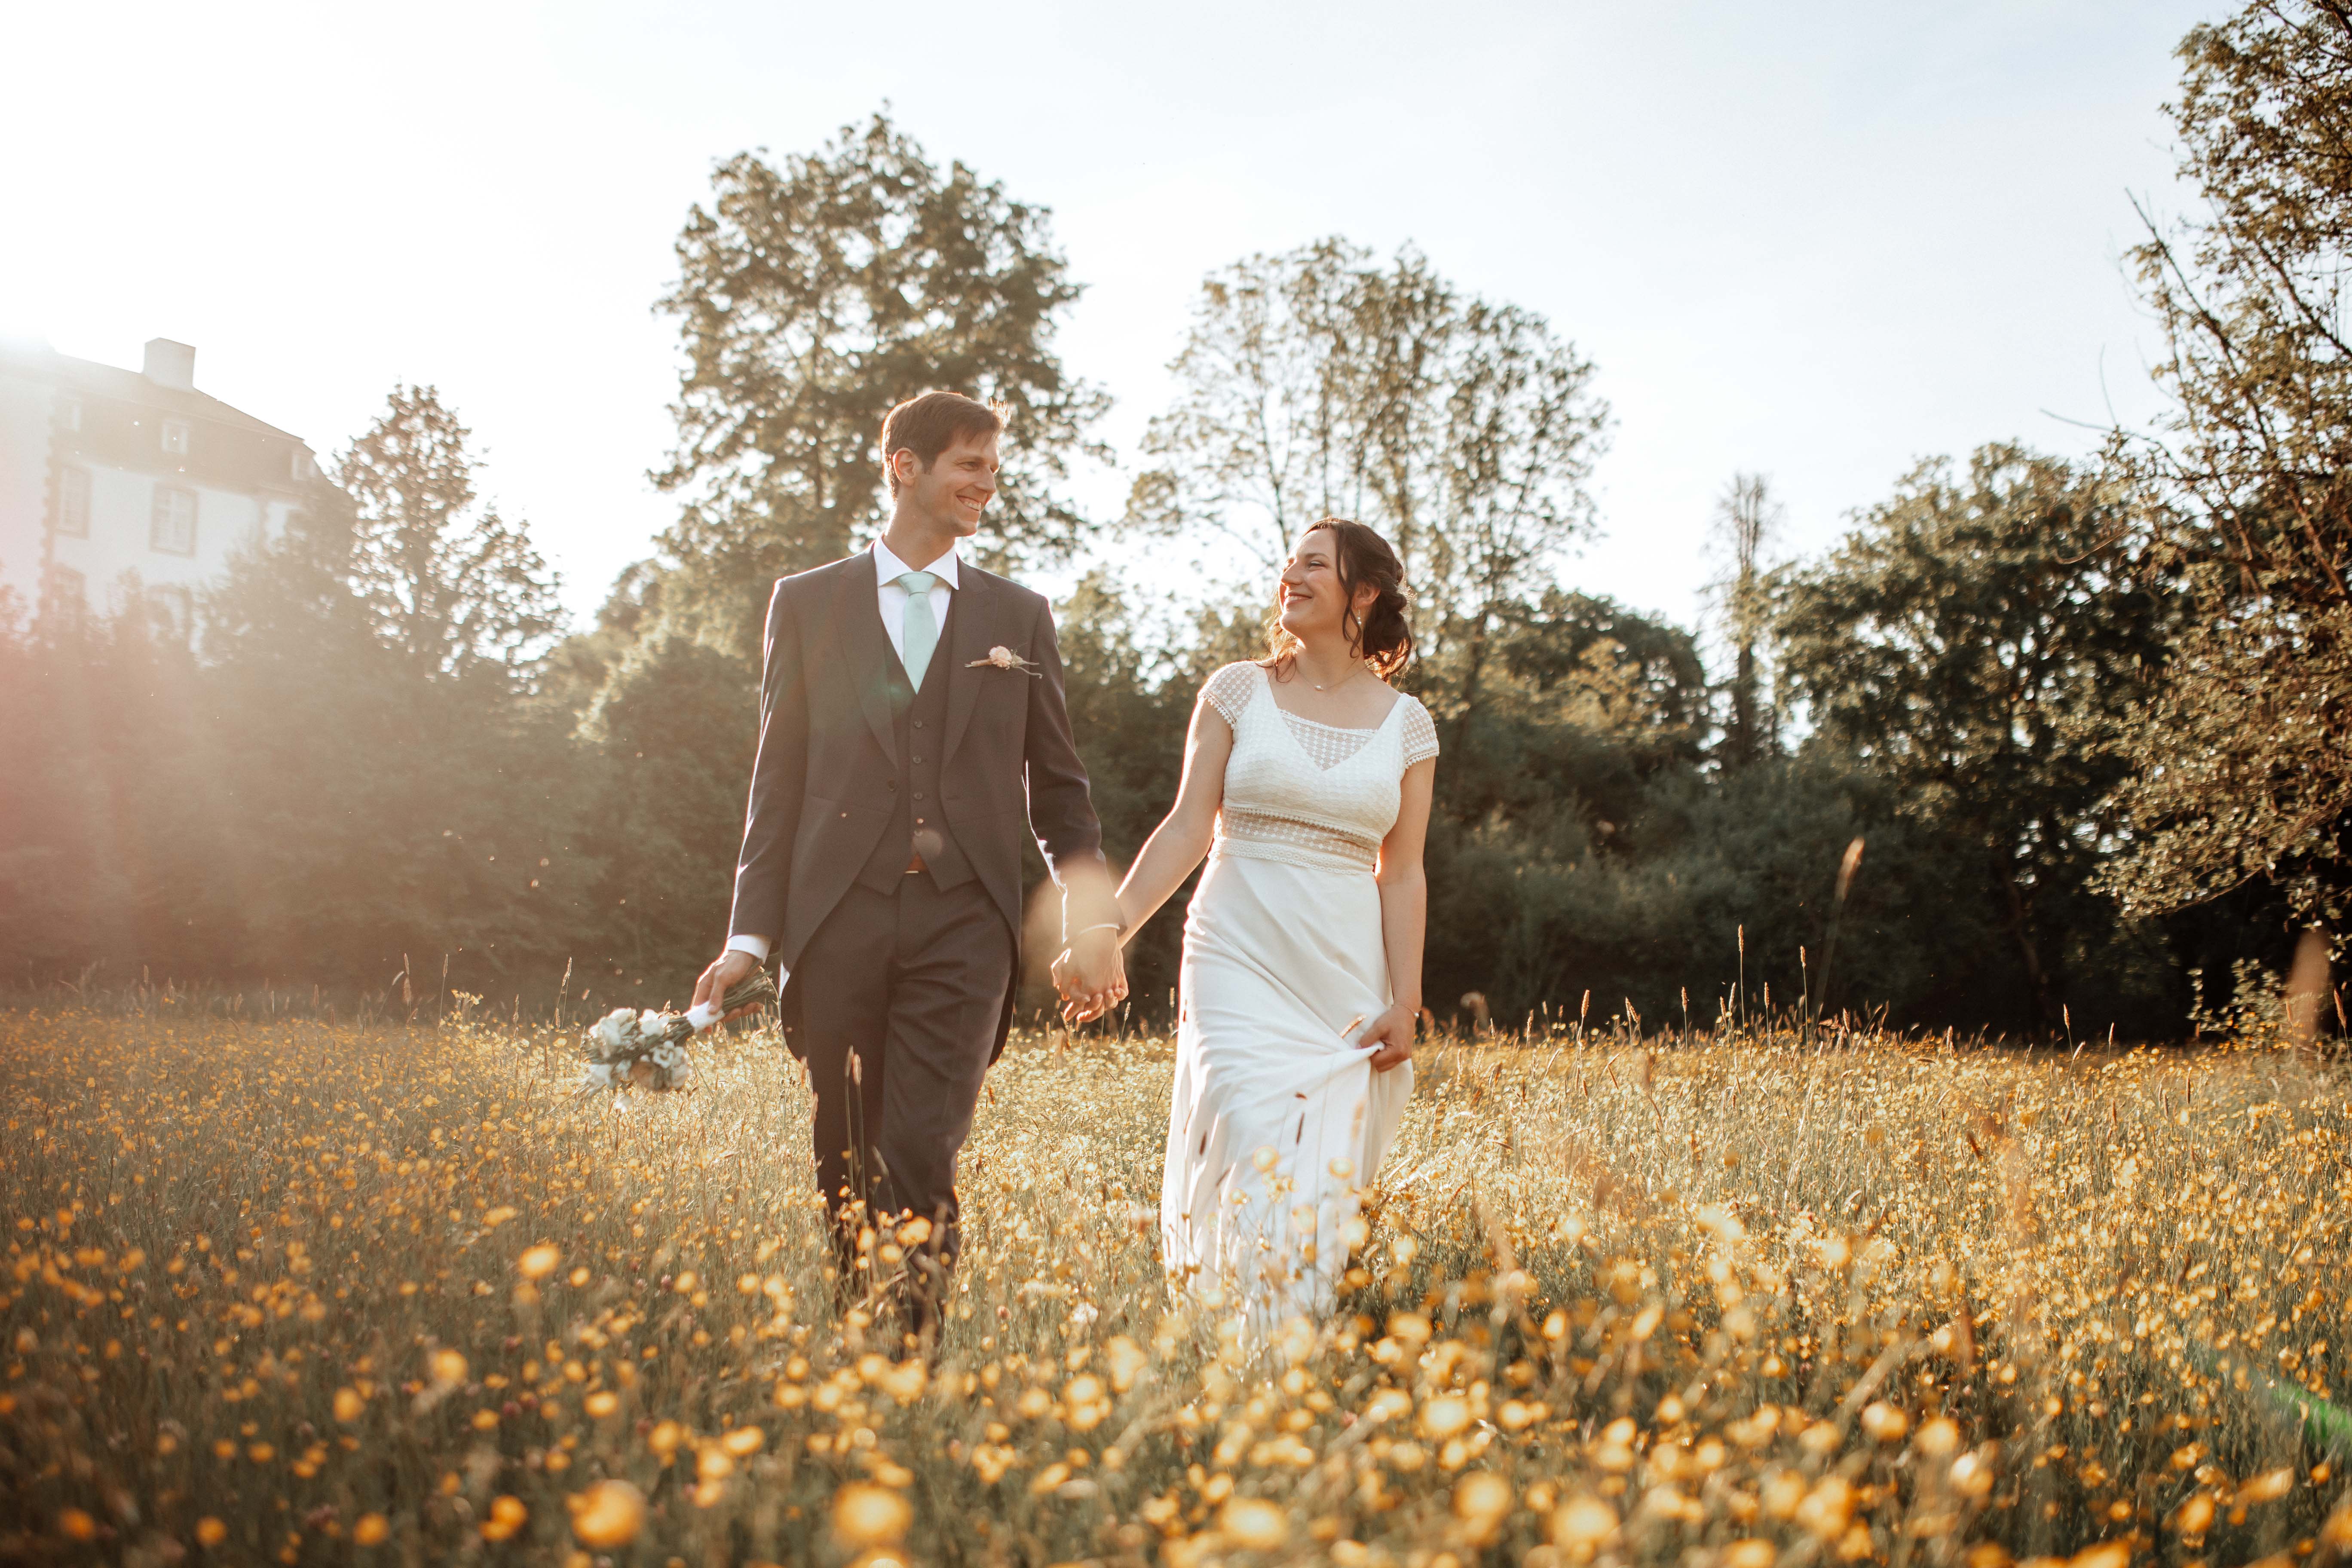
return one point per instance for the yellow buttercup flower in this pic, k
(867, 1515)
(608, 1515)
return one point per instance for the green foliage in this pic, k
(302, 795)
(670, 743)
(1746, 519)
(450, 588)
(383, 810)
(1980, 644)
(814, 296)
(337, 784)
(2011, 692)
(1317, 383)
(1701, 882)
(1129, 712)
(2244, 759)
(2243, 777)
(104, 850)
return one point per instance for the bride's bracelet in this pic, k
(1098, 925)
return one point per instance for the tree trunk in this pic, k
(1742, 748)
(2021, 929)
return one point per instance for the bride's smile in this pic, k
(1304, 611)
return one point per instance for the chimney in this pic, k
(170, 364)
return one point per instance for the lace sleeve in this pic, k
(1230, 690)
(1420, 733)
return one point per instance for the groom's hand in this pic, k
(1090, 976)
(727, 971)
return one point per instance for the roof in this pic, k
(38, 359)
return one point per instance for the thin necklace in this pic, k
(1342, 680)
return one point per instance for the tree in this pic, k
(110, 817)
(1586, 707)
(1979, 642)
(1264, 435)
(2243, 761)
(669, 744)
(812, 298)
(1746, 519)
(1316, 382)
(458, 591)
(377, 806)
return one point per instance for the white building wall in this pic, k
(26, 407)
(120, 547)
(245, 476)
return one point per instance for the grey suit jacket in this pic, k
(821, 788)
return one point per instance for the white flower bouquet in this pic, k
(633, 1049)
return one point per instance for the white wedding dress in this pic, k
(1277, 1117)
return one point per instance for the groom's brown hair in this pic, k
(930, 424)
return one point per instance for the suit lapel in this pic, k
(866, 647)
(970, 625)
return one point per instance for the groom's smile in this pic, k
(956, 489)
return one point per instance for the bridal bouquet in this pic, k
(629, 1048)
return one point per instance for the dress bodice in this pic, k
(1305, 793)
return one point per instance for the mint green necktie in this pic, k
(923, 628)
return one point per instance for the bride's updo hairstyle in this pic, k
(1383, 637)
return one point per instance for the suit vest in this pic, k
(916, 824)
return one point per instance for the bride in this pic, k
(1307, 783)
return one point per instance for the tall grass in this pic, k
(288, 1290)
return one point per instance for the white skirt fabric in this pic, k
(1277, 1120)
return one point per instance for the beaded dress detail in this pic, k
(1276, 1119)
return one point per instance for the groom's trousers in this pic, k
(900, 996)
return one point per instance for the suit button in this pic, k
(919, 723)
(918, 762)
(919, 794)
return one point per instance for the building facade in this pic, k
(131, 490)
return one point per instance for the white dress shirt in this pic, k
(891, 596)
(890, 603)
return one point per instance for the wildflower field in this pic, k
(284, 1291)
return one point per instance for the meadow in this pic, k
(285, 1291)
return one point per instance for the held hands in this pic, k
(728, 970)
(1090, 976)
(1390, 1038)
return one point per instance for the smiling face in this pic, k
(954, 490)
(1314, 601)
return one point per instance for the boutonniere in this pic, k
(1001, 658)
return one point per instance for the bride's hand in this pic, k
(1389, 1038)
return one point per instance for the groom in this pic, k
(912, 727)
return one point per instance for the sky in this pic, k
(1817, 240)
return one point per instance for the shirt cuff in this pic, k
(757, 946)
